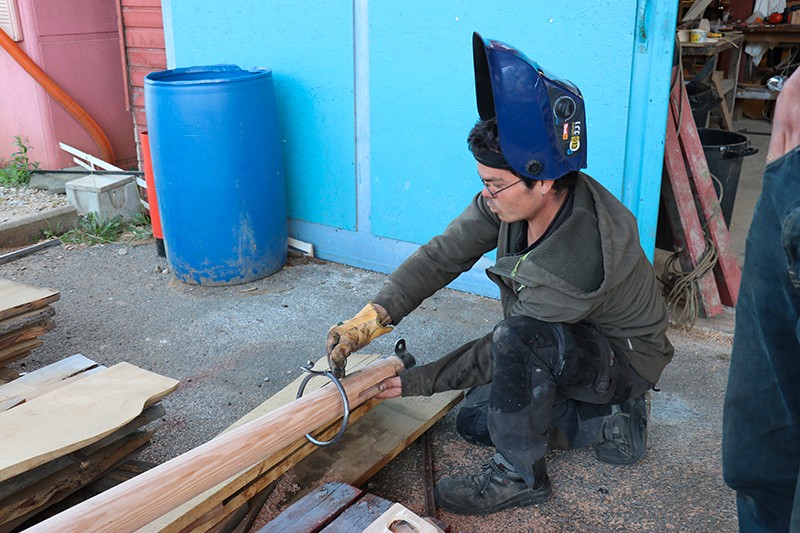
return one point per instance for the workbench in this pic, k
(770, 36)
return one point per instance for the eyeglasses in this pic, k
(498, 191)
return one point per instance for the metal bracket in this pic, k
(345, 419)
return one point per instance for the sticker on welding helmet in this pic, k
(575, 140)
(565, 131)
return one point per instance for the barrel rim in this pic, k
(162, 77)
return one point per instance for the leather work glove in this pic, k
(352, 335)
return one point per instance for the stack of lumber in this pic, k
(24, 316)
(66, 425)
(378, 432)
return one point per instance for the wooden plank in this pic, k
(264, 472)
(18, 351)
(399, 514)
(727, 119)
(13, 401)
(315, 510)
(49, 378)
(7, 354)
(22, 252)
(26, 479)
(726, 272)
(27, 333)
(17, 298)
(263, 475)
(25, 320)
(360, 515)
(689, 221)
(127, 470)
(75, 415)
(254, 508)
(7, 375)
(54, 488)
(139, 501)
(375, 440)
(372, 443)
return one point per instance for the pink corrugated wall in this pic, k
(76, 42)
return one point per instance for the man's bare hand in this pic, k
(786, 119)
(390, 388)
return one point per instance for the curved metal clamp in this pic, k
(345, 419)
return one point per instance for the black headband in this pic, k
(491, 159)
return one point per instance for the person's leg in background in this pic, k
(761, 421)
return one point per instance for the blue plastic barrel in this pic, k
(218, 170)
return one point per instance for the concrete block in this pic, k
(107, 195)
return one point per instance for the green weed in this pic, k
(92, 229)
(17, 171)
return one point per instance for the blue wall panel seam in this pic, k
(362, 117)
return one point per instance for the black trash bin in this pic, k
(702, 99)
(724, 152)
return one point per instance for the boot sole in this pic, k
(532, 497)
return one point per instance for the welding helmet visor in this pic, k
(541, 120)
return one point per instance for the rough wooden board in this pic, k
(49, 378)
(158, 491)
(685, 221)
(76, 415)
(399, 513)
(61, 484)
(727, 273)
(192, 511)
(8, 375)
(17, 298)
(27, 478)
(29, 332)
(24, 320)
(374, 441)
(258, 479)
(19, 350)
(13, 401)
(360, 515)
(367, 446)
(315, 510)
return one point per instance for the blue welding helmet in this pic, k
(541, 122)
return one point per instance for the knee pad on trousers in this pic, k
(472, 420)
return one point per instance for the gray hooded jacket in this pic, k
(591, 269)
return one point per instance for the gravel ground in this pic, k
(233, 347)
(18, 203)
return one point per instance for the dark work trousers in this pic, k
(553, 383)
(761, 416)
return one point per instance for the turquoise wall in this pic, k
(376, 100)
(311, 56)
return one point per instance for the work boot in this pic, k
(496, 487)
(625, 432)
